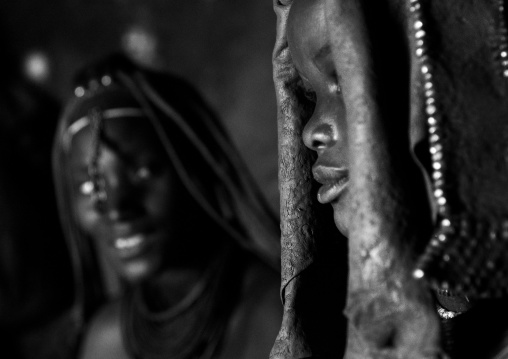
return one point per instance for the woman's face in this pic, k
(131, 228)
(326, 130)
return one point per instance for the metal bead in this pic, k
(441, 201)
(418, 273)
(446, 222)
(442, 237)
(443, 210)
(439, 183)
(418, 25)
(432, 121)
(437, 175)
(438, 193)
(431, 110)
(419, 51)
(427, 76)
(438, 156)
(420, 34)
(437, 166)
(436, 148)
(430, 93)
(434, 138)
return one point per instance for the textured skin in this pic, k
(313, 254)
(391, 315)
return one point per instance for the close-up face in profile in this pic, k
(130, 224)
(326, 131)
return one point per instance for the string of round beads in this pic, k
(435, 138)
(503, 39)
(93, 85)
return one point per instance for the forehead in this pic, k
(307, 33)
(131, 136)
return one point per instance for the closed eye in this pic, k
(310, 95)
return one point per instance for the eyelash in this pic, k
(310, 95)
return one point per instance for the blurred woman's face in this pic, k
(135, 226)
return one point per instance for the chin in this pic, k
(137, 271)
(340, 222)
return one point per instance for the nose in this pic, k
(318, 136)
(322, 131)
(123, 201)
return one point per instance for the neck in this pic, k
(169, 288)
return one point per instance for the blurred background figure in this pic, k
(219, 46)
(176, 252)
(35, 272)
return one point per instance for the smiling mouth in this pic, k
(334, 182)
(131, 246)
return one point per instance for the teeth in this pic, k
(125, 243)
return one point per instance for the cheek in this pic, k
(86, 216)
(163, 199)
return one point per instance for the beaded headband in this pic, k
(85, 121)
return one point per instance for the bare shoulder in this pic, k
(103, 338)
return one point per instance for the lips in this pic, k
(130, 246)
(129, 241)
(334, 181)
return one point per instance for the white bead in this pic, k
(432, 121)
(438, 156)
(434, 138)
(431, 109)
(418, 274)
(437, 175)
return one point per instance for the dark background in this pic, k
(223, 47)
